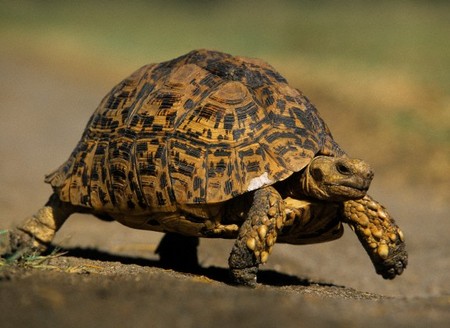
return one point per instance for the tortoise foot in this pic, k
(244, 277)
(17, 243)
(257, 236)
(178, 252)
(379, 234)
(394, 264)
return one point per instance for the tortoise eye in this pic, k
(343, 169)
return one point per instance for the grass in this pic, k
(25, 257)
(36, 261)
(33, 260)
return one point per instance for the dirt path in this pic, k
(111, 294)
(43, 113)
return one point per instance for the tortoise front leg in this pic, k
(257, 236)
(37, 231)
(380, 236)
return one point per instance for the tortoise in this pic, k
(218, 146)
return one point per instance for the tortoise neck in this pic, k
(292, 186)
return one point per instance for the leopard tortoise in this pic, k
(213, 145)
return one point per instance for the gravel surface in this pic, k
(111, 278)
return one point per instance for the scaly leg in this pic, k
(257, 236)
(380, 236)
(37, 231)
(178, 252)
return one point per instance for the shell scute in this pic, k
(202, 128)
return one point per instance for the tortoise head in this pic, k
(335, 178)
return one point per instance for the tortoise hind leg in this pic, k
(178, 252)
(257, 236)
(37, 232)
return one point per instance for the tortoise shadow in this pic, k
(265, 277)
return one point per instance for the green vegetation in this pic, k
(383, 66)
(31, 260)
(407, 35)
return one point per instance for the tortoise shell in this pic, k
(199, 129)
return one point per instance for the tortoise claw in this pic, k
(394, 264)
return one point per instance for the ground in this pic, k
(132, 295)
(110, 277)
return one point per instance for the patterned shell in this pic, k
(202, 128)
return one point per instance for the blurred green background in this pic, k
(378, 71)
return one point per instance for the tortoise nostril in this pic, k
(368, 173)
